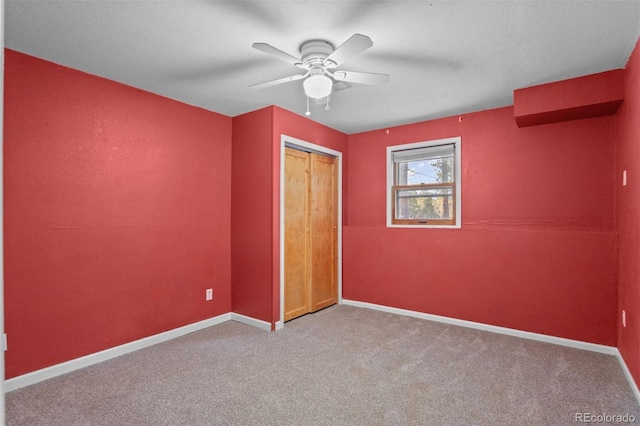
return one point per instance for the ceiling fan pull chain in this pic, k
(327, 108)
(308, 112)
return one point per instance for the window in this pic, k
(424, 184)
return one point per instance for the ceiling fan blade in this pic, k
(278, 81)
(362, 77)
(356, 44)
(270, 50)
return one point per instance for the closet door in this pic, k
(310, 234)
(324, 231)
(297, 294)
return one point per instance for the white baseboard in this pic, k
(263, 325)
(627, 374)
(95, 358)
(279, 325)
(486, 327)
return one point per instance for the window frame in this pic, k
(455, 222)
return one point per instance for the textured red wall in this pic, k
(628, 216)
(256, 203)
(117, 213)
(251, 212)
(536, 250)
(583, 97)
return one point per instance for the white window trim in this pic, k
(457, 141)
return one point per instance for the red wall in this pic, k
(583, 97)
(122, 207)
(251, 214)
(536, 251)
(628, 216)
(117, 213)
(256, 203)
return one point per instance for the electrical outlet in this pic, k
(209, 294)
(624, 318)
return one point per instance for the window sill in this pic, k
(389, 225)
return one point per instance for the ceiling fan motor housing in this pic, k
(314, 52)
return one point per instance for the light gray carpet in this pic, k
(342, 366)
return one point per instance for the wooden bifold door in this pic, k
(311, 232)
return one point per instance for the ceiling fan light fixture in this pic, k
(317, 86)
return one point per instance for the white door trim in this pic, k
(2, 347)
(289, 141)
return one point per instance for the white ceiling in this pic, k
(445, 58)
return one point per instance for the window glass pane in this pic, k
(432, 203)
(435, 170)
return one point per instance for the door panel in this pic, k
(297, 297)
(323, 232)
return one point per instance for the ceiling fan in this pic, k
(319, 59)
